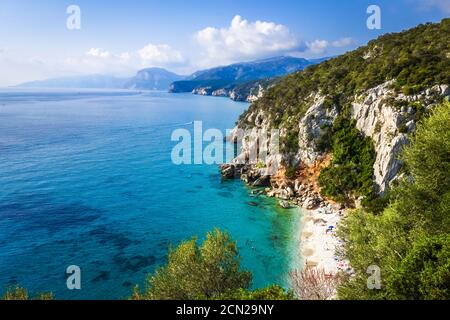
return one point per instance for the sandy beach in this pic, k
(319, 242)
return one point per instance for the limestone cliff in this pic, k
(380, 90)
(377, 114)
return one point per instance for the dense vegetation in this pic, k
(416, 59)
(410, 239)
(19, 293)
(413, 60)
(209, 271)
(350, 174)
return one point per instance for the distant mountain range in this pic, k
(153, 79)
(241, 81)
(146, 79)
(96, 81)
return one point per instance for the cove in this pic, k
(86, 179)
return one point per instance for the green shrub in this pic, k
(19, 293)
(351, 170)
(291, 172)
(324, 140)
(424, 274)
(410, 239)
(415, 59)
(210, 271)
(260, 165)
(269, 293)
(195, 272)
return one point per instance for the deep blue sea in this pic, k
(86, 179)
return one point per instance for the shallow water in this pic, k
(86, 179)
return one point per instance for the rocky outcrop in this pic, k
(248, 92)
(377, 117)
(221, 93)
(203, 91)
(229, 171)
(319, 117)
(378, 114)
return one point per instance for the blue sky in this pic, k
(120, 37)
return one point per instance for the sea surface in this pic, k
(86, 179)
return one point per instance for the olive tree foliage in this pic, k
(409, 239)
(210, 270)
(21, 294)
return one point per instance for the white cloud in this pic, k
(244, 40)
(93, 61)
(126, 56)
(98, 53)
(160, 55)
(317, 46)
(97, 60)
(343, 42)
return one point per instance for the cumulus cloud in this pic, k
(160, 54)
(321, 46)
(97, 60)
(343, 42)
(317, 46)
(244, 40)
(92, 61)
(98, 53)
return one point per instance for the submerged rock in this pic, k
(263, 181)
(228, 171)
(285, 204)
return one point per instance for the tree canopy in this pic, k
(207, 271)
(409, 240)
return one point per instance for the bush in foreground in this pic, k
(210, 271)
(313, 284)
(410, 239)
(19, 293)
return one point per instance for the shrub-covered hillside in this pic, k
(417, 59)
(410, 240)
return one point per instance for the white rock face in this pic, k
(311, 127)
(256, 95)
(387, 125)
(256, 145)
(201, 91)
(220, 93)
(383, 123)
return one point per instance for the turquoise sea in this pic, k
(86, 179)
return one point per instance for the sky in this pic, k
(121, 37)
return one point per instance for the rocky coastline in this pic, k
(320, 217)
(378, 114)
